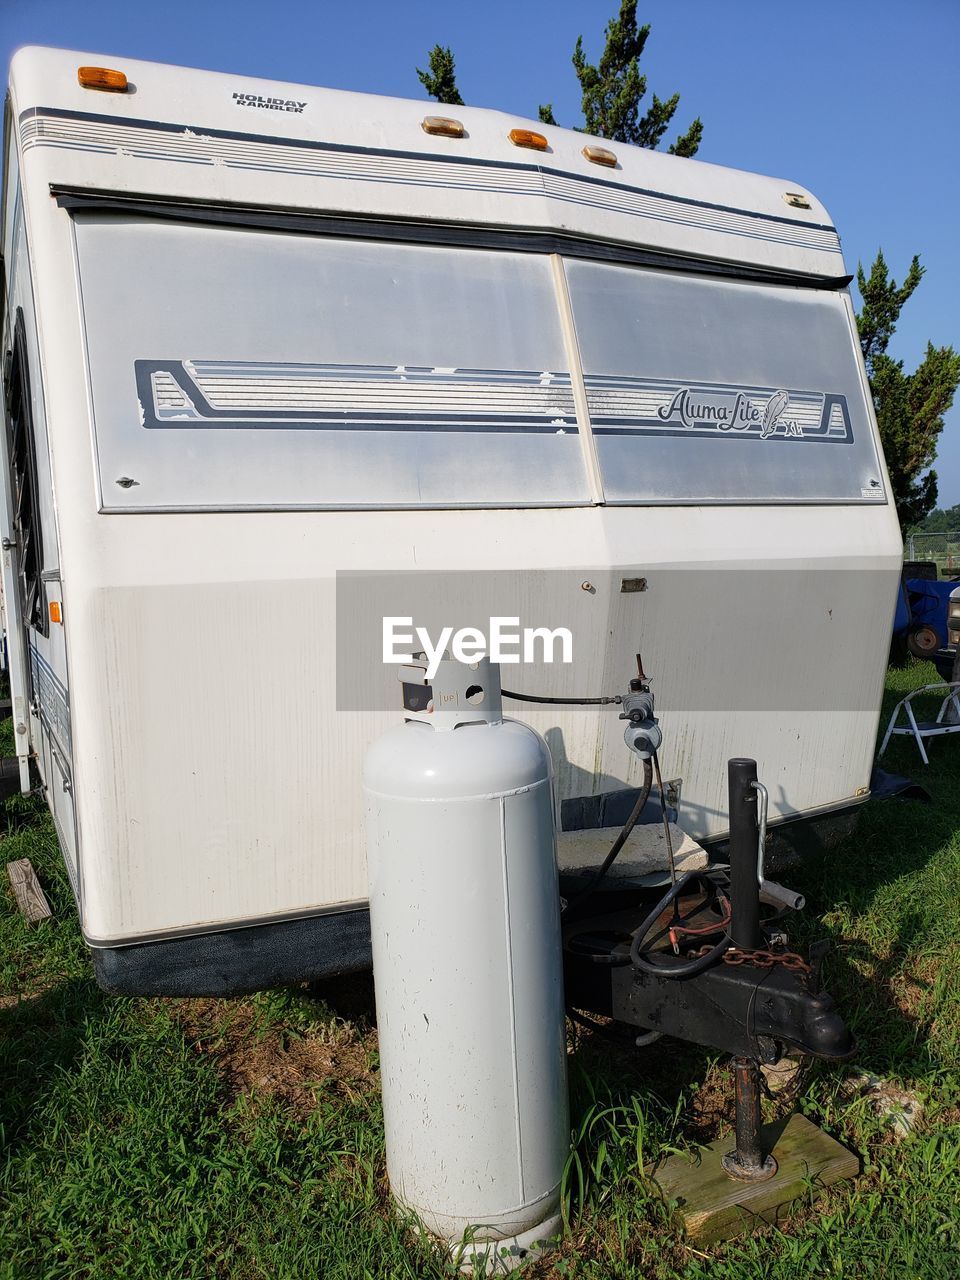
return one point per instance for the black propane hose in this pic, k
(685, 968)
(563, 702)
(620, 841)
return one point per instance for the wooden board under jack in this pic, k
(31, 899)
(715, 1207)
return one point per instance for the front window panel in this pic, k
(239, 368)
(704, 390)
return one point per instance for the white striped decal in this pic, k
(141, 140)
(371, 397)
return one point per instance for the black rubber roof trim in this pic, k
(461, 235)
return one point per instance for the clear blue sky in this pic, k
(856, 99)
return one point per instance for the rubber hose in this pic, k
(621, 839)
(564, 702)
(684, 968)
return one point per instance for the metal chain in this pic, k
(767, 959)
(762, 959)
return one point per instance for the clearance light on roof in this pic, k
(102, 78)
(527, 138)
(796, 200)
(442, 125)
(600, 155)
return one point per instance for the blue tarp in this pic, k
(923, 602)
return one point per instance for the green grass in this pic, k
(243, 1139)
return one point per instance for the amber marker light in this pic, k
(104, 78)
(442, 126)
(56, 612)
(527, 138)
(600, 155)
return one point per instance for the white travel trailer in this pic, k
(259, 334)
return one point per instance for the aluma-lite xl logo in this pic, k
(626, 405)
(730, 412)
(268, 104)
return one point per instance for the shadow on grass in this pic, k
(41, 1036)
(350, 997)
(886, 898)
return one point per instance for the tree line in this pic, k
(940, 520)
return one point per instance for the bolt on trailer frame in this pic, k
(250, 345)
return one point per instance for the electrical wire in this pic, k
(665, 819)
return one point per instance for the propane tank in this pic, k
(465, 918)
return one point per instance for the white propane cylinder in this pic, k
(465, 917)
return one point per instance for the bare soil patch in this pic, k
(273, 1062)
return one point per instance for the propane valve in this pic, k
(642, 734)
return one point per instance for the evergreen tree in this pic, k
(910, 407)
(441, 80)
(611, 90)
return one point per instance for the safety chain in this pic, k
(767, 959)
(762, 959)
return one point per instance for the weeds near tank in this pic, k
(612, 1143)
(242, 1139)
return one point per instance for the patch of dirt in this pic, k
(275, 1062)
(36, 992)
(710, 1109)
(911, 994)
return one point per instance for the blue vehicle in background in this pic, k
(928, 619)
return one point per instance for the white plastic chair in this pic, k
(920, 729)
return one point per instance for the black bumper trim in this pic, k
(238, 961)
